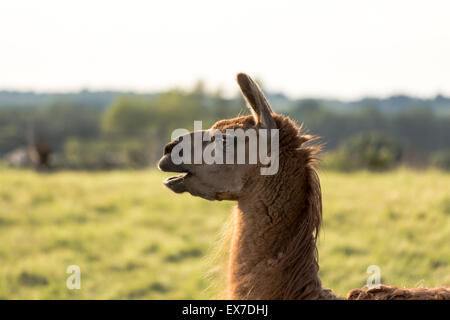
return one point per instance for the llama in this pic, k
(273, 253)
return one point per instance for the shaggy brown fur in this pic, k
(393, 293)
(273, 253)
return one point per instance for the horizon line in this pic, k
(50, 91)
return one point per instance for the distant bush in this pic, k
(369, 150)
(441, 160)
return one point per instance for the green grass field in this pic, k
(132, 238)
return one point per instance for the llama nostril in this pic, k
(167, 150)
(168, 147)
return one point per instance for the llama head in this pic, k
(238, 172)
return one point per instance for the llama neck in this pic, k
(273, 247)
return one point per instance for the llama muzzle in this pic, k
(175, 183)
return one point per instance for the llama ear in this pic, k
(256, 101)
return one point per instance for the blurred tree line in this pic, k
(129, 130)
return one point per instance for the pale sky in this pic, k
(342, 49)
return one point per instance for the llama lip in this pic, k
(176, 183)
(166, 164)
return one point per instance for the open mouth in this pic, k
(175, 183)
